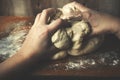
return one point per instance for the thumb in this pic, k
(55, 25)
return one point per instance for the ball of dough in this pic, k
(70, 40)
(59, 55)
(61, 39)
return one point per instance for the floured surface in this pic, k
(12, 42)
(96, 60)
(107, 56)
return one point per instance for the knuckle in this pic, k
(45, 11)
(38, 14)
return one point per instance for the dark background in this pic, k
(32, 7)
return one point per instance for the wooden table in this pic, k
(61, 67)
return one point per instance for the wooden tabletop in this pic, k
(70, 66)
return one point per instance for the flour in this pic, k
(10, 44)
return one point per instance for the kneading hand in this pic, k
(35, 45)
(100, 23)
(38, 37)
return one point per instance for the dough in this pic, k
(61, 39)
(60, 55)
(70, 40)
(87, 46)
(70, 12)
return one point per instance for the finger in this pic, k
(79, 6)
(46, 14)
(37, 19)
(55, 25)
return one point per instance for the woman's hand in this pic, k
(100, 23)
(33, 48)
(38, 39)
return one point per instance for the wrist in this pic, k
(26, 53)
(32, 54)
(105, 22)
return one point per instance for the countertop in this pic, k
(104, 62)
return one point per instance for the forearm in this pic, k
(18, 65)
(34, 48)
